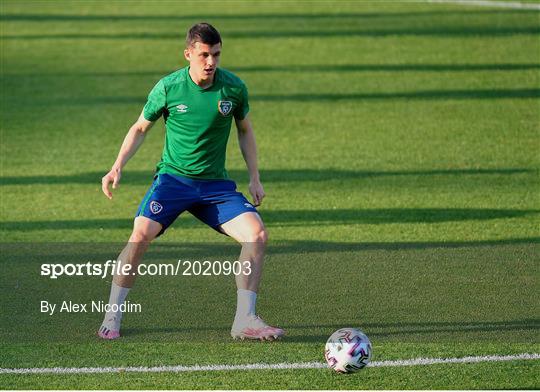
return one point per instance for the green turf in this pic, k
(399, 149)
(516, 374)
(477, 376)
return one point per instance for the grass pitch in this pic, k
(398, 147)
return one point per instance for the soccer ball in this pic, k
(348, 350)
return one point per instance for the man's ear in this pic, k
(187, 54)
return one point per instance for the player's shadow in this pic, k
(174, 330)
(405, 332)
(410, 331)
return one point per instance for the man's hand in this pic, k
(246, 139)
(132, 141)
(257, 192)
(113, 176)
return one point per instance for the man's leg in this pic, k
(248, 229)
(144, 231)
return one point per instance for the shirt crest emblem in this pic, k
(225, 107)
(155, 207)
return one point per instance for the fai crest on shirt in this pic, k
(155, 207)
(225, 107)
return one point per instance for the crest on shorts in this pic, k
(225, 107)
(155, 207)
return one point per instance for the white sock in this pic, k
(245, 305)
(117, 297)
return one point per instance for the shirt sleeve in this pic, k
(242, 109)
(156, 103)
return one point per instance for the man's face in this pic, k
(203, 59)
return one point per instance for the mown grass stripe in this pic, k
(487, 3)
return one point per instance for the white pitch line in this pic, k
(487, 3)
(266, 366)
(434, 361)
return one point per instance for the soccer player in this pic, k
(197, 103)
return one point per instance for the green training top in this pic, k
(197, 121)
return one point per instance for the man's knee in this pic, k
(259, 235)
(141, 236)
(144, 230)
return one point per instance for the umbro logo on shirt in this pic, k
(182, 108)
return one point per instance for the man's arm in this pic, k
(132, 141)
(246, 139)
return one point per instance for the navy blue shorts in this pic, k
(214, 202)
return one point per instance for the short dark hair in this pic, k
(204, 33)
